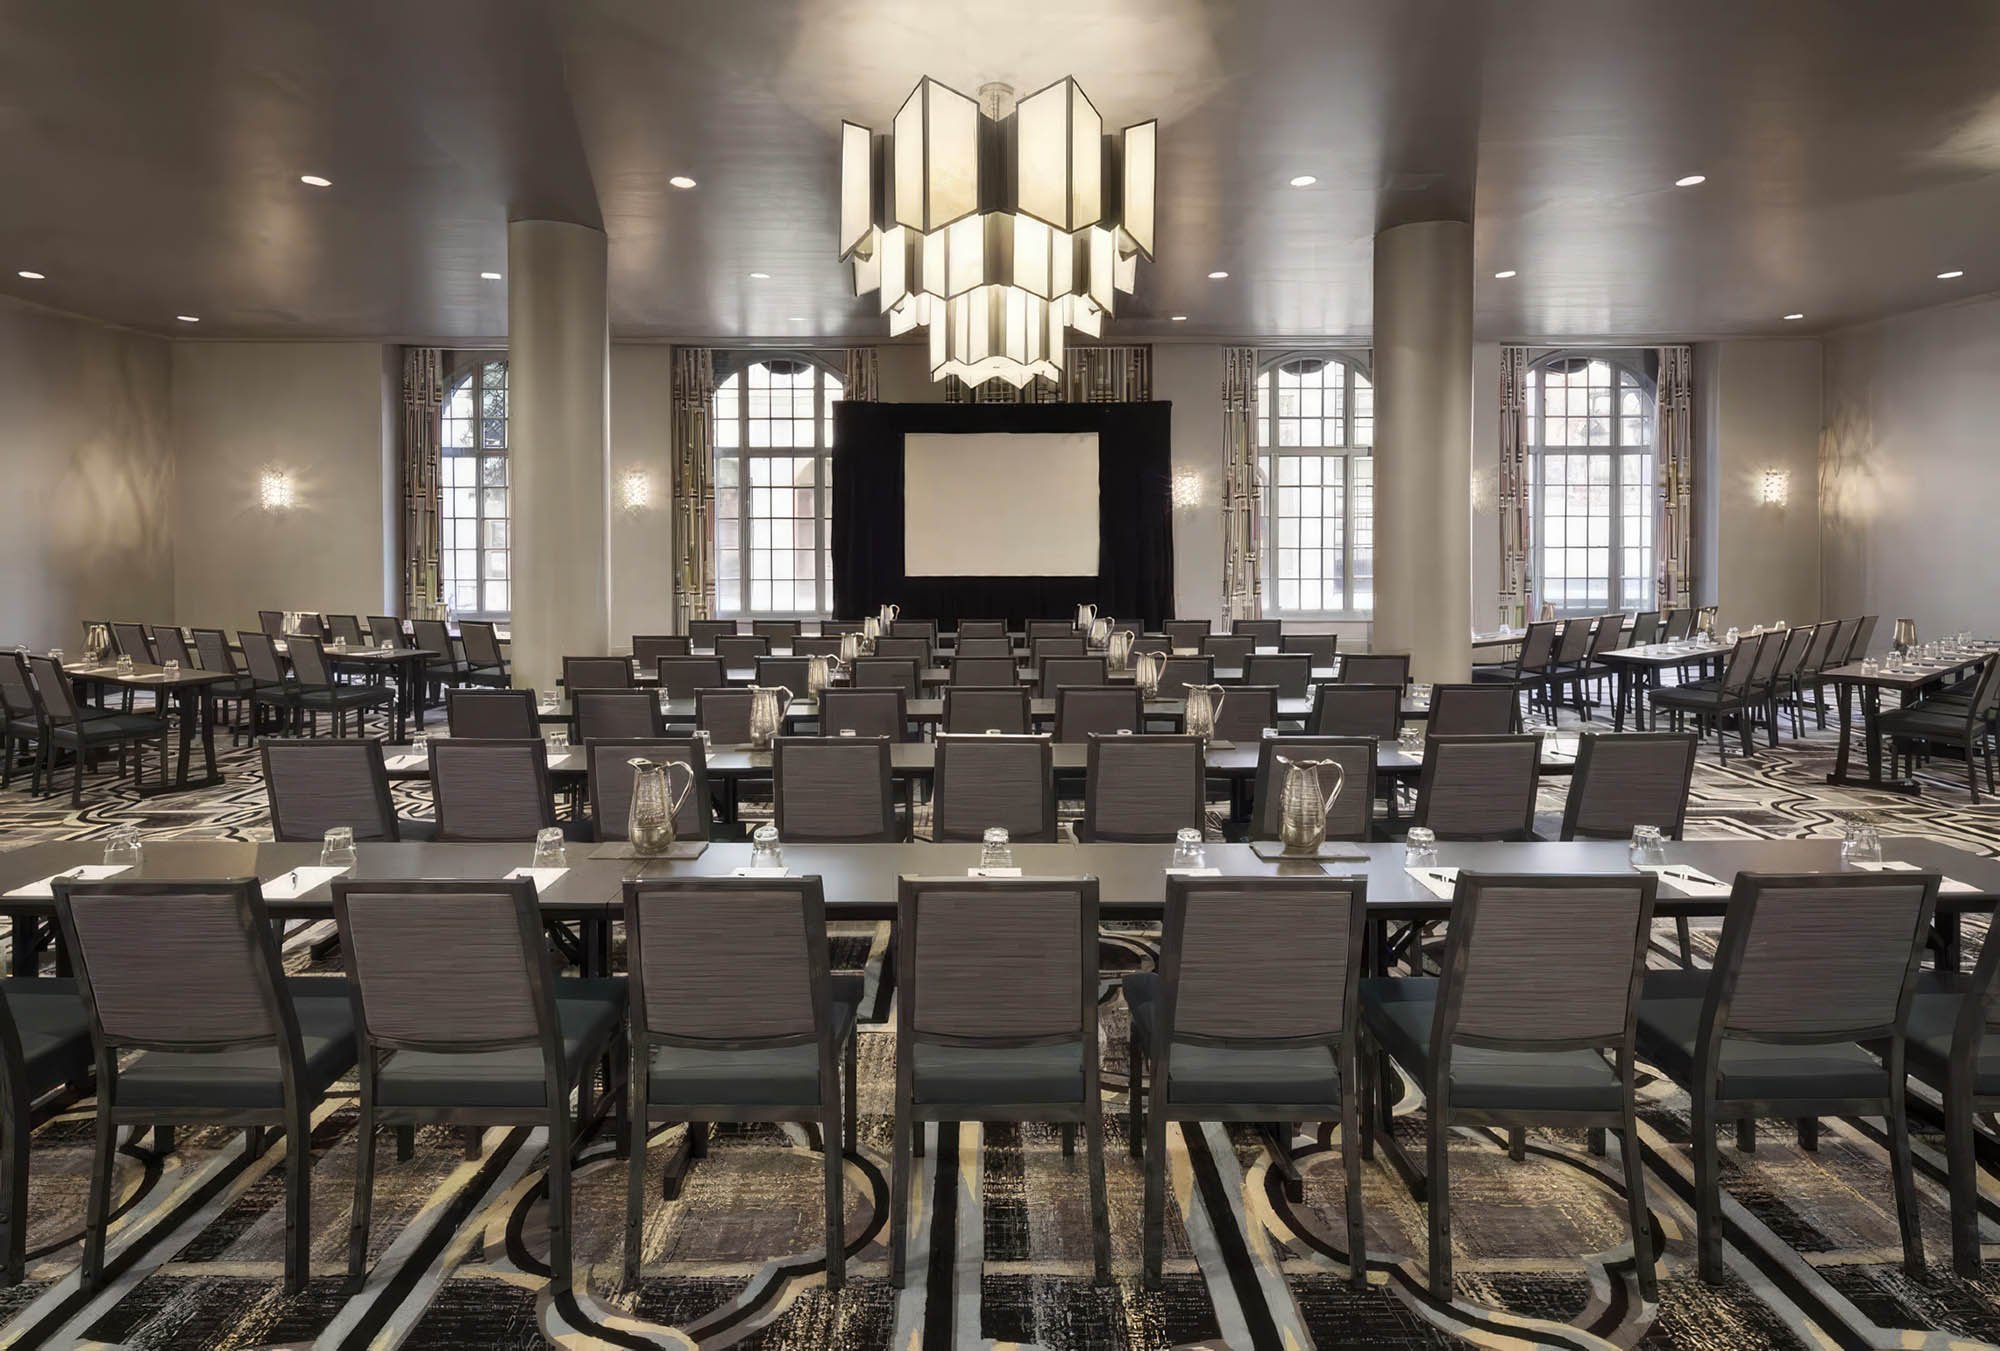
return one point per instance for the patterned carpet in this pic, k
(1001, 1250)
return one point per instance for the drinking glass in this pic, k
(548, 704)
(558, 743)
(764, 849)
(337, 851)
(1649, 847)
(123, 848)
(1860, 842)
(994, 850)
(1421, 694)
(55, 655)
(125, 663)
(1188, 852)
(1410, 740)
(420, 744)
(170, 669)
(549, 849)
(340, 645)
(1732, 635)
(1420, 848)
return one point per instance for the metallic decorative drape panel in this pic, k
(859, 381)
(1242, 511)
(1090, 375)
(694, 483)
(1673, 432)
(1516, 571)
(423, 396)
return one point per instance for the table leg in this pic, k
(413, 689)
(1845, 691)
(208, 704)
(1624, 691)
(190, 703)
(1871, 705)
(1949, 945)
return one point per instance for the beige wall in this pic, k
(642, 546)
(86, 456)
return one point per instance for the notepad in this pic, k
(297, 882)
(87, 872)
(992, 872)
(1689, 881)
(542, 877)
(1951, 886)
(760, 872)
(1439, 882)
(1193, 872)
(408, 761)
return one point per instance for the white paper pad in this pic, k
(1193, 872)
(992, 872)
(87, 872)
(542, 876)
(1951, 886)
(1690, 881)
(759, 872)
(297, 882)
(406, 761)
(1439, 882)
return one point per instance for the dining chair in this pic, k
(836, 627)
(1230, 650)
(1809, 679)
(387, 631)
(616, 713)
(1950, 1047)
(491, 791)
(834, 790)
(925, 629)
(1069, 645)
(740, 651)
(986, 781)
(348, 627)
(44, 1044)
(1646, 628)
(311, 786)
(169, 645)
(1177, 673)
(900, 673)
(702, 633)
(680, 677)
(983, 629)
(608, 762)
(271, 686)
(64, 726)
(1567, 668)
(462, 1019)
(914, 650)
(969, 708)
(724, 714)
(1142, 789)
(1627, 779)
(489, 714)
(1187, 633)
(877, 712)
(793, 673)
(1678, 624)
(131, 641)
(256, 1049)
(1479, 787)
(1473, 710)
(23, 726)
(1322, 648)
(1245, 712)
(317, 692)
(1053, 673)
(485, 663)
(1048, 628)
(596, 673)
(1001, 646)
(1253, 1016)
(1357, 710)
(1350, 816)
(1262, 632)
(211, 649)
(648, 648)
(736, 1016)
(1864, 635)
(1493, 1041)
(1290, 672)
(1528, 672)
(271, 623)
(1085, 711)
(448, 665)
(1733, 695)
(776, 631)
(1808, 967)
(1376, 668)
(996, 1020)
(1968, 726)
(822, 645)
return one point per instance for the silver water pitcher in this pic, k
(889, 614)
(1203, 703)
(96, 642)
(649, 822)
(820, 671)
(871, 629)
(1118, 649)
(1301, 809)
(767, 713)
(1905, 636)
(1146, 673)
(1084, 615)
(850, 648)
(1099, 631)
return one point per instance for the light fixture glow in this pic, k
(760, 276)
(1776, 488)
(1187, 488)
(1954, 273)
(1691, 181)
(1180, 318)
(997, 225)
(1304, 181)
(1502, 276)
(681, 181)
(1217, 276)
(274, 488)
(635, 489)
(188, 318)
(489, 276)
(315, 181)
(31, 276)
(1794, 316)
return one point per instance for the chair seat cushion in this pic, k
(1933, 1022)
(977, 1074)
(409, 828)
(588, 1012)
(248, 1079)
(114, 727)
(345, 696)
(1302, 1075)
(1400, 1012)
(1921, 721)
(1670, 1022)
(782, 1076)
(54, 1027)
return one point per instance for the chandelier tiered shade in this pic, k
(996, 233)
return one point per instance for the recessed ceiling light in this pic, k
(489, 276)
(1691, 181)
(1502, 276)
(1180, 318)
(760, 276)
(1304, 181)
(798, 319)
(31, 276)
(1947, 276)
(188, 318)
(681, 181)
(1794, 316)
(1217, 276)
(315, 181)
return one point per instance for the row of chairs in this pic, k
(1763, 673)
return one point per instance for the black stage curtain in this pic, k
(1135, 564)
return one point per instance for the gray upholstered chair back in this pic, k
(1538, 647)
(898, 673)
(1841, 644)
(212, 647)
(1177, 673)
(1739, 670)
(988, 709)
(1352, 813)
(1479, 787)
(1574, 643)
(608, 762)
(997, 962)
(596, 673)
(1357, 710)
(1085, 711)
(1823, 635)
(739, 650)
(1142, 788)
(987, 671)
(447, 966)
(911, 649)
(1048, 628)
(271, 623)
(816, 645)
(482, 642)
(982, 628)
(833, 789)
(168, 645)
(779, 631)
(487, 714)
(1289, 672)
(491, 790)
(984, 781)
(1069, 645)
(732, 961)
(1187, 633)
(724, 714)
(1793, 659)
(434, 636)
(616, 713)
(1323, 648)
(836, 627)
(1053, 673)
(702, 633)
(1608, 635)
(387, 631)
(998, 646)
(260, 656)
(1646, 628)
(865, 713)
(1375, 668)
(791, 672)
(52, 690)
(16, 695)
(308, 660)
(133, 642)
(1628, 779)
(1262, 960)
(648, 648)
(1473, 710)
(1228, 649)
(1262, 632)
(1770, 655)
(1679, 623)
(925, 629)
(680, 677)
(140, 948)
(1245, 711)
(348, 627)
(315, 784)
(1863, 636)
(1509, 933)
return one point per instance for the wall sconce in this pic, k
(1187, 488)
(274, 489)
(635, 490)
(1776, 488)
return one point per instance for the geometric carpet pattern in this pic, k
(1000, 1238)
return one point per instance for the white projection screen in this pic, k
(1000, 504)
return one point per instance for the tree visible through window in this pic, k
(1590, 431)
(1315, 461)
(774, 488)
(473, 515)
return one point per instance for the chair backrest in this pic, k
(487, 715)
(168, 645)
(434, 635)
(1261, 962)
(876, 712)
(1048, 628)
(1187, 633)
(1817, 957)
(998, 962)
(1356, 710)
(17, 695)
(607, 760)
(617, 713)
(779, 631)
(1768, 655)
(54, 697)
(132, 642)
(482, 643)
(837, 627)
(899, 673)
(1228, 649)
(140, 948)
(1985, 701)
(1262, 632)
(1839, 647)
(969, 708)
(1474, 710)
(1290, 673)
(1628, 779)
(702, 633)
(739, 651)
(982, 628)
(314, 784)
(596, 673)
(680, 677)
(212, 647)
(1792, 657)
(1085, 711)
(834, 789)
(1508, 934)
(1001, 646)
(723, 713)
(451, 967)
(1069, 645)
(1679, 623)
(1479, 787)
(1351, 817)
(271, 623)
(308, 658)
(1053, 673)
(1245, 711)
(348, 627)
(1863, 636)
(648, 648)
(387, 631)
(1739, 669)
(491, 791)
(1609, 635)
(1323, 648)
(1538, 648)
(1142, 788)
(984, 781)
(1177, 673)
(1823, 636)
(1646, 628)
(925, 629)
(791, 672)
(1375, 668)
(911, 649)
(820, 645)
(1574, 641)
(988, 671)
(260, 656)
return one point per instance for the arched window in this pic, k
(1315, 460)
(1590, 434)
(774, 488)
(476, 547)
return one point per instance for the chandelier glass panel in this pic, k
(997, 228)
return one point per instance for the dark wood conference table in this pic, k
(1850, 681)
(1042, 710)
(192, 690)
